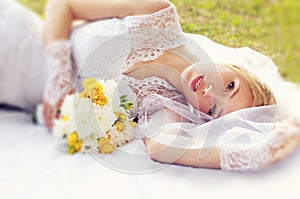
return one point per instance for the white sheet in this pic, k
(33, 165)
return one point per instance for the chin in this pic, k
(192, 100)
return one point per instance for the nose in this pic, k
(205, 103)
(211, 95)
(206, 91)
(213, 91)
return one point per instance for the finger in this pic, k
(48, 115)
(51, 115)
(45, 114)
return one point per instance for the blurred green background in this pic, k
(271, 27)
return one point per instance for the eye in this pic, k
(229, 87)
(212, 110)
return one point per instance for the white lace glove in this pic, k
(60, 77)
(283, 140)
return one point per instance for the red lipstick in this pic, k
(197, 83)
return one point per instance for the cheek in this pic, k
(242, 102)
(187, 74)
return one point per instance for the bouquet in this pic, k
(95, 120)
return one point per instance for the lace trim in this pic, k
(152, 35)
(143, 90)
(282, 141)
(60, 80)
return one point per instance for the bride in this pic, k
(199, 103)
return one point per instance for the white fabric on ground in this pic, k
(33, 165)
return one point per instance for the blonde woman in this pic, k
(194, 109)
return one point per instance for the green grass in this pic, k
(36, 5)
(268, 26)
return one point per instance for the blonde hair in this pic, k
(262, 94)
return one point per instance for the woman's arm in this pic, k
(59, 18)
(60, 14)
(282, 141)
(185, 157)
(181, 156)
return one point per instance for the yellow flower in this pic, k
(122, 117)
(78, 146)
(84, 94)
(71, 150)
(117, 114)
(92, 89)
(133, 124)
(119, 125)
(72, 138)
(105, 146)
(89, 83)
(107, 135)
(65, 118)
(97, 89)
(100, 99)
(130, 106)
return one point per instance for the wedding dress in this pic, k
(107, 48)
(22, 68)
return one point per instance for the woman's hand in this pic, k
(60, 78)
(49, 113)
(285, 139)
(281, 142)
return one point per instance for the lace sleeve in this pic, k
(60, 72)
(284, 139)
(152, 34)
(146, 89)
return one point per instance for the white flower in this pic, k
(60, 129)
(110, 89)
(83, 112)
(90, 145)
(92, 121)
(91, 118)
(67, 106)
(119, 138)
(65, 125)
(105, 118)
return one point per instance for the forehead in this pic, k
(232, 71)
(227, 69)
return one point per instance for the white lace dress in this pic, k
(22, 63)
(107, 48)
(245, 137)
(23, 68)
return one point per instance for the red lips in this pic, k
(197, 82)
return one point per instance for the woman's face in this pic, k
(215, 89)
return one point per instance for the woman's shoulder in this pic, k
(145, 37)
(153, 34)
(166, 17)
